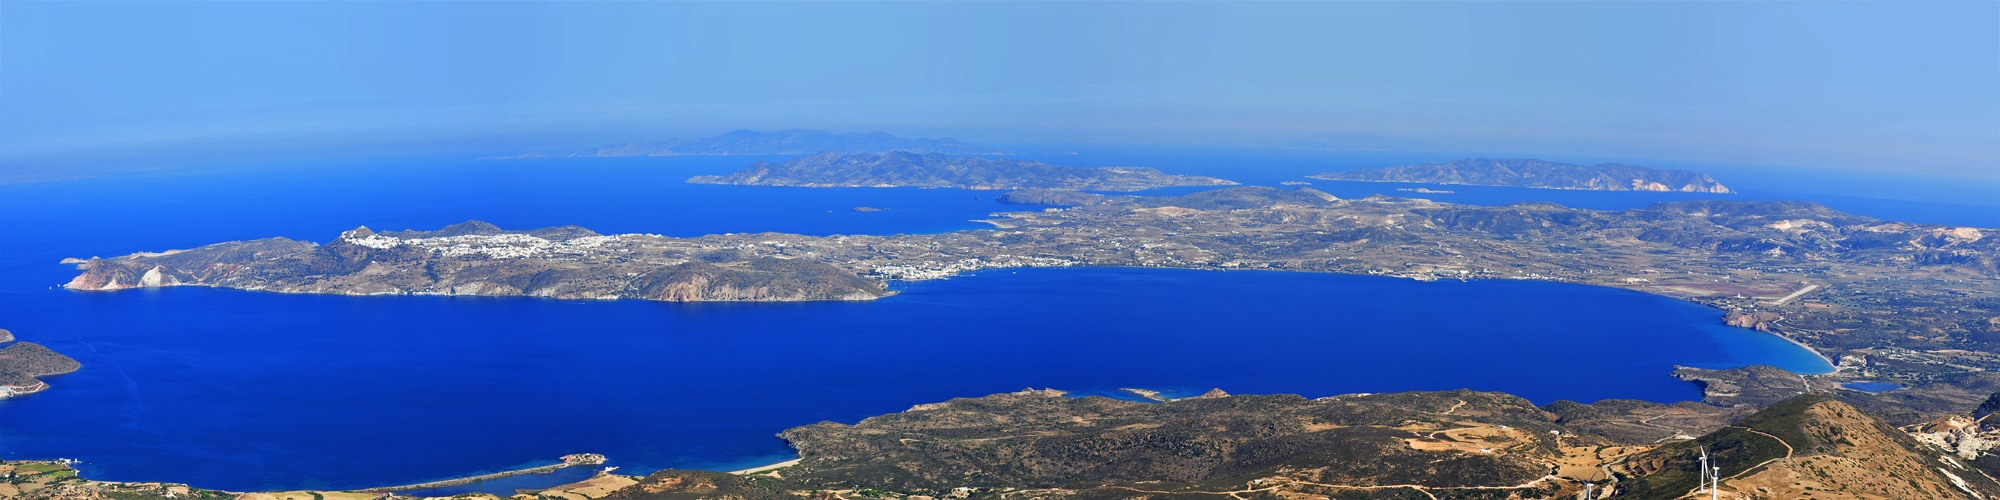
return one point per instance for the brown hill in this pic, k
(1807, 447)
(22, 362)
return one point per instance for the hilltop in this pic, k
(1808, 447)
(1539, 174)
(933, 170)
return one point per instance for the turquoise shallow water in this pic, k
(244, 390)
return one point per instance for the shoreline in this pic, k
(1832, 367)
(767, 468)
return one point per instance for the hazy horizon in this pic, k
(1885, 87)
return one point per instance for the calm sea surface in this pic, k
(247, 391)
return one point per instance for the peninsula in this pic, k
(570, 460)
(781, 142)
(22, 363)
(476, 258)
(1538, 174)
(906, 169)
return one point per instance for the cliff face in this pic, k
(762, 280)
(182, 267)
(905, 169)
(1539, 174)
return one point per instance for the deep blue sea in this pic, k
(249, 391)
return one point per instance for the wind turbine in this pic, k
(1704, 471)
(1715, 483)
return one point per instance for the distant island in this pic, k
(934, 170)
(1539, 174)
(782, 142)
(22, 362)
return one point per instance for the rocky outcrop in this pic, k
(1539, 174)
(1756, 320)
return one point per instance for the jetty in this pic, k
(571, 460)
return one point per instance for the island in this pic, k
(1538, 174)
(22, 364)
(933, 170)
(781, 142)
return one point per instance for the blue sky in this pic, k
(1876, 86)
